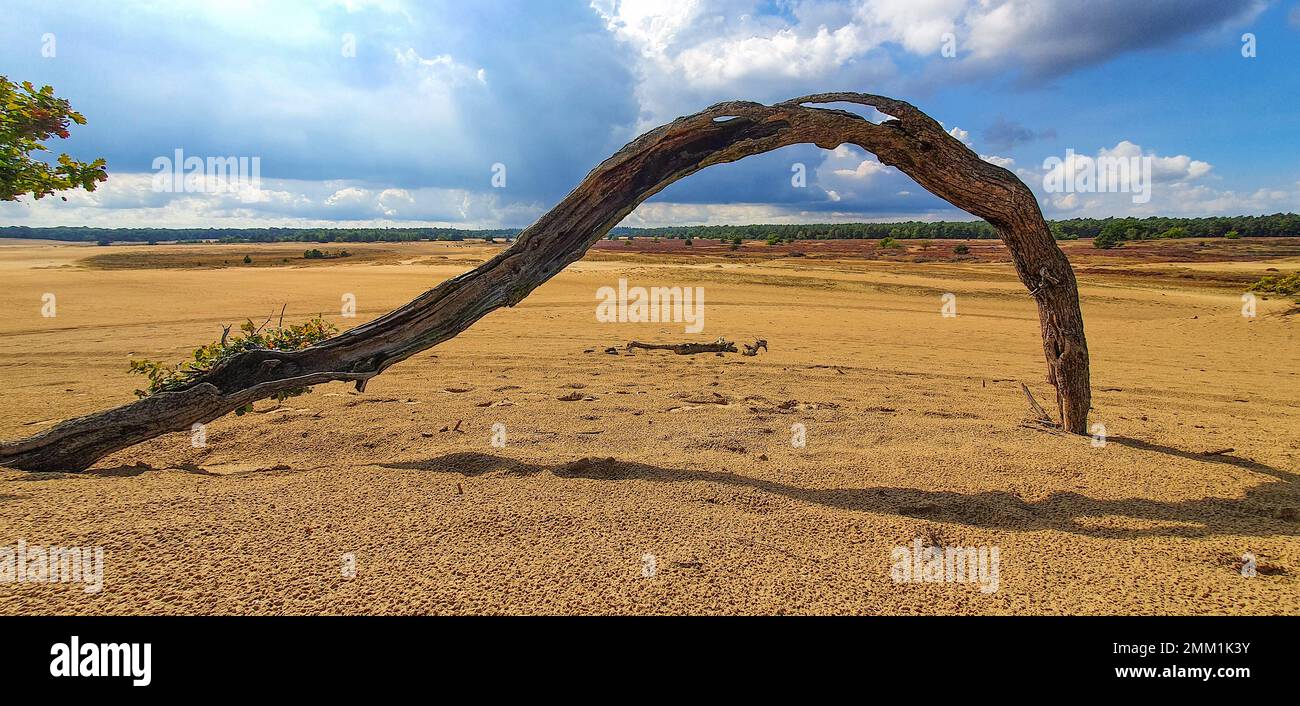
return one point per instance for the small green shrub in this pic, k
(962, 249)
(163, 378)
(1285, 285)
(317, 254)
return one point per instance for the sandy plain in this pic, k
(915, 423)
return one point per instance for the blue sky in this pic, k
(405, 130)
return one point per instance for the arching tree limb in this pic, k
(911, 141)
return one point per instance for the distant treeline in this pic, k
(253, 235)
(1279, 224)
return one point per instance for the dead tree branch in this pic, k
(911, 141)
(721, 345)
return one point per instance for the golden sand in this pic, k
(915, 427)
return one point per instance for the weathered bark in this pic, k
(912, 141)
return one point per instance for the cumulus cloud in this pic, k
(131, 200)
(1004, 162)
(692, 53)
(406, 129)
(698, 49)
(1110, 183)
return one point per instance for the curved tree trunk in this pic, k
(912, 141)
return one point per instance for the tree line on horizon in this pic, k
(1275, 225)
(251, 235)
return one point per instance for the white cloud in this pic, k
(350, 196)
(918, 25)
(864, 171)
(1004, 162)
(442, 70)
(129, 200)
(1179, 186)
(706, 51)
(692, 53)
(1124, 168)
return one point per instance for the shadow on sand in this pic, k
(1267, 510)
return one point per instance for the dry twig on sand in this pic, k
(1041, 415)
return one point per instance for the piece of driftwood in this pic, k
(721, 345)
(911, 141)
(753, 350)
